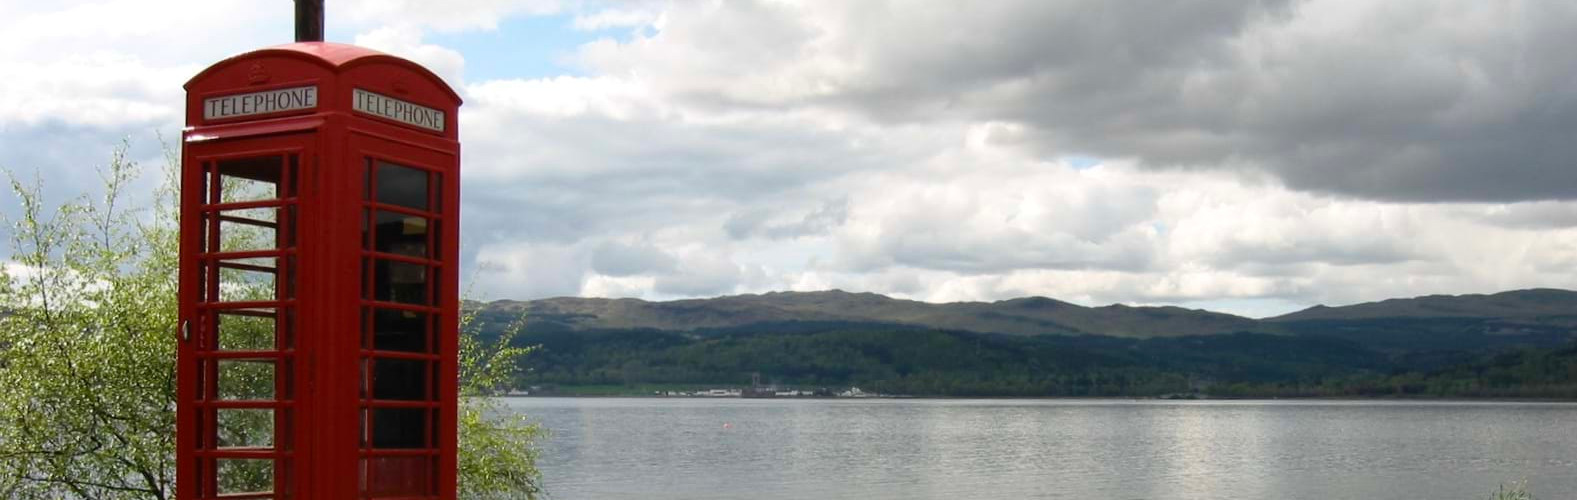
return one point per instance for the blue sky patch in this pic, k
(1082, 162)
(522, 47)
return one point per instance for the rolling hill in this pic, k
(1538, 304)
(1023, 316)
(1439, 329)
(1036, 346)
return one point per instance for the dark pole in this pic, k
(309, 20)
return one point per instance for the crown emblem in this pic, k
(257, 74)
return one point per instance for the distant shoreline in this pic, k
(1057, 398)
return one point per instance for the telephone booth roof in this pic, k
(335, 68)
(335, 57)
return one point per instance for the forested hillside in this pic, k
(1356, 351)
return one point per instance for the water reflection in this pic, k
(957, 449)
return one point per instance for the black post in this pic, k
(309, 20)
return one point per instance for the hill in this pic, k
(1437, 345)
(1024, 316)
(1534, 304)
(1437, 330)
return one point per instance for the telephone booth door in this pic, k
(407, 338)
(241, 317)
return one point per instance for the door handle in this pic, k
(186, 330)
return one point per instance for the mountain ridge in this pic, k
(1512, 303)
(1034, 315)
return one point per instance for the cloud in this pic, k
(701, 274)
(406, 42)
(450, 15)
(1407, 101)
(1254, 154)
(96, 90)
(802, 195)
(530, 270)
(616, 18)
(615, 259)
(1530, 215)
(972, 214)
(757, 222)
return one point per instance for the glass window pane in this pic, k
(246, 428)
(399, 282)
(249, 179)
(396, 330)
(246, 379)
(401, 234)
(400, 185)
(245, 476)
(246, 329)
(246, 230)
(399, 428)
(398, 379)
(246, 280)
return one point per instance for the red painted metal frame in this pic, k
(332, 142)
(196, 309)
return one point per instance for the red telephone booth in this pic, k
(319, 307)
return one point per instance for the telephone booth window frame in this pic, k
(403, 461)
(244, 441)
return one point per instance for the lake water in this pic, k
(629, 448)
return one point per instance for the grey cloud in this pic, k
(530, 271)
(703, 276)
(65, 157)
(754, 222)
(1406, 109)
(1408, 100)
(565, 180)
(612, 258)
(930, 236)
(1533, 216)
(585, 180)
(1265, 259)
(954, 250)
(746, 223)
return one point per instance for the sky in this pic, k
(1253, 157)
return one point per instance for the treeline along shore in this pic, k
(1320, 355)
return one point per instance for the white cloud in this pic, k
(449, 15)
(521, 269)
(97, 90)
(1401, 100)
(980, 220)
(406, 42)
(1227, 152)
(616, 18)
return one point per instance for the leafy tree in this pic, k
(87, 356)
(496, 456)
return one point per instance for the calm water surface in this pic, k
(1086, 449)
